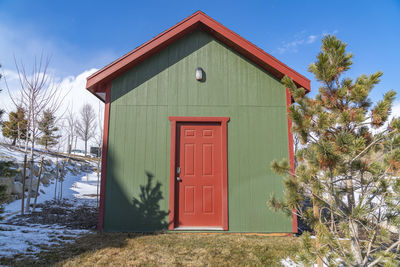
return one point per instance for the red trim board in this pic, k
(100, 225)
(291, 152)
(97, 81)
(223, 121)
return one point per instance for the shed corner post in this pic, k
(100, 224)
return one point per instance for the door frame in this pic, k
(224, 167)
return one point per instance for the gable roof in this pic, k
(96, 83)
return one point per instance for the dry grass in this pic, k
(171, 249)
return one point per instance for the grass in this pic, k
(166, 249)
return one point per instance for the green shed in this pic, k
(193, 119)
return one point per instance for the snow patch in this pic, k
(289, 263)
(30, 240)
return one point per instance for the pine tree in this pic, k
(348, 166)
(16, 127)
(47, 127)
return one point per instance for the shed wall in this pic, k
(143, 98)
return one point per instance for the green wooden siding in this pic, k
(139, 133)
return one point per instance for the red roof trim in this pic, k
(97, 81)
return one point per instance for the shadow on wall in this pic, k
(133, 202)
(146, 208)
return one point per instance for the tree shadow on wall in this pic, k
(147, 209)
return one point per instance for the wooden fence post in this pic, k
(55, 187)
(23, 186)
(98, 181)
(37, 186)
(62, 177)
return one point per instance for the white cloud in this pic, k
(78, 95)
(311, 39)
(395, 110)
(300, 39)
(330, 33)
(291, 46)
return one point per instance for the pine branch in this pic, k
(375, 262)
(368, 147)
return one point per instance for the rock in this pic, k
(18, 177)
(69, 167)
(49, 168)
(45, 179)
(8, 182)
(14, 197)
(17, 189)
(35, 170)
(27, 174)
(63, 172)
(74, 172)
(46, 173)
(53, 172)
(34, 183)
(48, 162)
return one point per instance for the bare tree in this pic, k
(99, 132)
(86, 126)
(38, 91)
(71, 128)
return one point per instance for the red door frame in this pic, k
(224, 167)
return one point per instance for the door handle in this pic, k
(178, 179)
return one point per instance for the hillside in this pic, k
(66, 207)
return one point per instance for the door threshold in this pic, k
(199, 228)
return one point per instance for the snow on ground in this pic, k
(10, 154)
(87, 188)
(30, 240)
(74, 187)
(81, 186)
(289, 263)
(16, 239)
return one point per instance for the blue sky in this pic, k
(81, 35)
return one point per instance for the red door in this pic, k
(199, 175)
